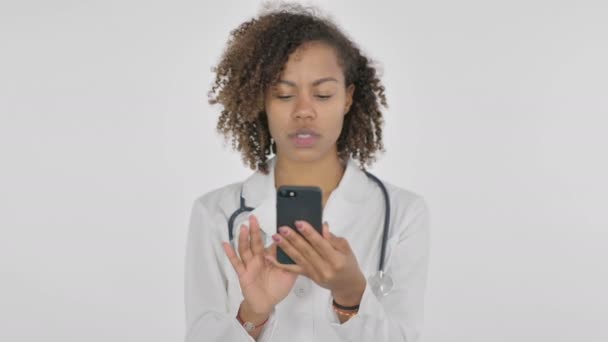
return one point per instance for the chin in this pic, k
(306, 155)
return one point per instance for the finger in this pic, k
(290, 268)
(318, 243)
(339, 243)
(325, 231)
(331, 237)
(327, 234)
(336, 242)
(299, 251)
(269, 253)
(244, 250)
(237, 264)
(257, 245)
(271, 250)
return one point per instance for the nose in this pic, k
(304, 108)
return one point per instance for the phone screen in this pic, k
(298, 203)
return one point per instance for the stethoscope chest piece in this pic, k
(381, 284)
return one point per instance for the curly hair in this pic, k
(255, 56)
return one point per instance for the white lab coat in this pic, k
(355, 211)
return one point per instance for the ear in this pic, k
(350, 90)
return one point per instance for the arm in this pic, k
(397, 317)
(208, 316)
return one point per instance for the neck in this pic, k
(325, 173)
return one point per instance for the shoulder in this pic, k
(217, 203)
(219, 199)
(405, 198)
(409, 209)
(210, 212)
(401, 199)
(212, 198)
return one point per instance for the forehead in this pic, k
(311, 61)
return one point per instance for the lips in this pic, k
(304, 137)
(304, 131)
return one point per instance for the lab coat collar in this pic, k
(259, 192)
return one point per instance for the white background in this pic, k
(498, 117)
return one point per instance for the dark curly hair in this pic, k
(253, 60)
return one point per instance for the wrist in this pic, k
(248, 314)
(351, 295)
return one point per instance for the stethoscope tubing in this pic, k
(387, 213)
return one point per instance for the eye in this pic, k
(323, 97)
(284, 97)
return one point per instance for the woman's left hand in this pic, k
(326, 259)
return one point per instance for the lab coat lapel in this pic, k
(347, 201)
(259, 193)
(345, 204)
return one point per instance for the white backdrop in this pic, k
(498, 117)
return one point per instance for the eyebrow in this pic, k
(315, 83)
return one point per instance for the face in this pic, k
(306, 107)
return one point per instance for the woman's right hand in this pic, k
(263, 285)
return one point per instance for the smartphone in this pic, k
(298, 203)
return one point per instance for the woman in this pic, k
(293, 85)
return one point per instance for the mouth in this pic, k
(304, 137)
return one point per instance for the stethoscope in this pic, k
(380, 283)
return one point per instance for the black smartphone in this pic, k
(298, 203)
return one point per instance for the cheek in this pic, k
(338, 127)
(276, 123)
(334, 118)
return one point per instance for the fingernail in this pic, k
(284, 231)
(276, 238)
(299, 225)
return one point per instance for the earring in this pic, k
(273, 146)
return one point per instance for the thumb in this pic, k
(329, 236)
(270, 253)
(271, 250)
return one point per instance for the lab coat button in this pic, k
(300, 292)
